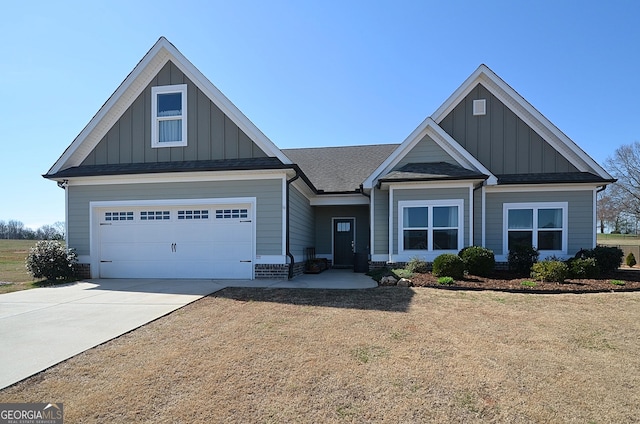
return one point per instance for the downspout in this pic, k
(288, 242)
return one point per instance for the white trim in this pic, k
(429, 254)
(155, 119)
(471, 215)
(595, 217)
(66, 216)
(535, 206)
(339, 200)
(284, 217)
(372, 226)
(525, 111)
(333, 233)
(484, 216)
(134, 84)
(441, 138)
(96, 206)
(391, 209)
(178, 177)
(532, 188)
(423, 185)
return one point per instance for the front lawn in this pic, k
(389, 354)
(13, 274)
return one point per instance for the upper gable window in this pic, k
(169, 116)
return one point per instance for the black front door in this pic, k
(343, 242)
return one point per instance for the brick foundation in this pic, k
(277, 271)
(83, 271)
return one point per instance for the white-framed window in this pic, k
(430, 225)
(169, 116)
(543, 226)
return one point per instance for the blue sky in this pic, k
(311, 73)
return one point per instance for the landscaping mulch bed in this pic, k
(628, 280)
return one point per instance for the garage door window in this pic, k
(118, 216)
(231, 213)
(193, 214)
(154, 215)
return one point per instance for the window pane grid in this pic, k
(118, 216)
(541, 227)
(193, 214)
(155, 215)
(231, 213)
(430, 227)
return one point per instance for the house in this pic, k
(170, 180)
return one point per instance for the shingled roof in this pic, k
(339, 169)
(553, 177)
(159, 167)
(431, 171)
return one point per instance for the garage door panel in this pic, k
(138, 269)
(123, 251)
(228, 251)
(188, 242)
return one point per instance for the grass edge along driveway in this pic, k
(387, 354)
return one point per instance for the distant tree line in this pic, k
(619, 204)
(16, 230)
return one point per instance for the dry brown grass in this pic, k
(383, 355)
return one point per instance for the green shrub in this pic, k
(448, 265)
(617, 282)
(583, 268)
(550, 270)
(631, 260)
(478, 260)
(528, 284)
(52, 260)
(521, 258)
(402, 273)
(609, 258)
(417, 266)
(445, 281)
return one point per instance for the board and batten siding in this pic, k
(580, 216)
(211, 135)
(426, 151)
(268, 194)
(301, 224)
(324, 227)
(500, 140)
(430, 194)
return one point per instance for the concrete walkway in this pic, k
(42, 327)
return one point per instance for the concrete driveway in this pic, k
(42, 327)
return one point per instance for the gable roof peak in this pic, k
(526, 112)
(134, 84)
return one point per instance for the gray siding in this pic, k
(301, 225)
(426, 150)
(381, 224)
(324, 228)
(500, 140)
(580, 216)
(477, 218)
(210, 133)
(430, 194)
(268, 195)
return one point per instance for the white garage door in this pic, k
(176, 242)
